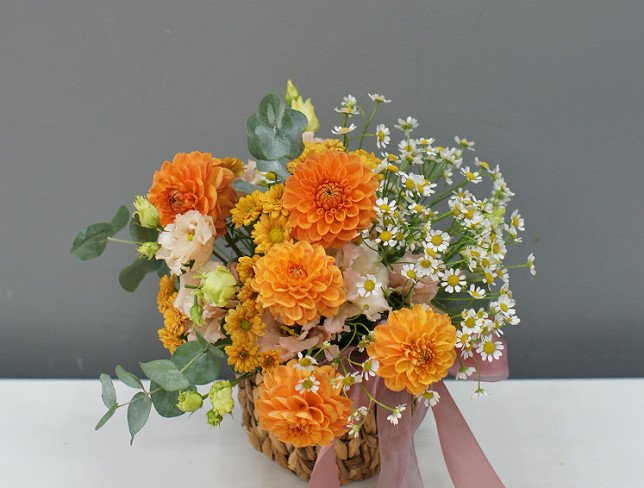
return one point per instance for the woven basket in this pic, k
(357, 458)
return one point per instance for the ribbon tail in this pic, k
(467, 465)
(398, 463)
(325, 470)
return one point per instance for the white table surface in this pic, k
(543, 433)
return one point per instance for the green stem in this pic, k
(121, 241)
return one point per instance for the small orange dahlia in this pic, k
(330, 198)
(194, 181)
(414, 348)
(298, 283)
(302, 407)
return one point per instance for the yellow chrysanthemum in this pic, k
(170, 341)
(243, 356)
(174, 321)
(233, 164)
(272, 201)
(243, 323)
(370, 160)
(245, 267)
(247, 209)
(270, 231)
(166, 292)
(246, 293)
(269, 360)
(311, 148)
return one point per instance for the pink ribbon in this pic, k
(466, 463)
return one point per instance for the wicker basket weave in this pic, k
(357, 458)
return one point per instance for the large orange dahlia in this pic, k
(330, 198)
(313, 413)
(415, 348)
(298, 283)
(194, 181)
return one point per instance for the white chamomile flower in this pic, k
(453, 280)
(348, 106)
(384, 206)
(354, 431)
(437, 240)
(465, 372)
(407, 125)
(505, 305)
(479, 393)
(309, 383)
(516, 221)
(396, 415)
(368, 286)
(351, 379)
(476, 292)
(429, 398)
(452, 156)
(463, 340)
(410, 272)
(464, 143)
(472, 322)
(489, 349)
(341, 131)
(471, 176)
(447, 175)
(378, 98)
(307, 362)
(382, 136)
(533, 270)
(360, 412)
(386, 236)
(369, 368)
(482, 164)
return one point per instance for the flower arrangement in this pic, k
(333, 272)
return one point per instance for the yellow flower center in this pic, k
(369, 285)
(384, 207)
(453, 280)
(409, 184)
(489, 347)
(437, 240)
(190, 236)
(245, 325)
(386, 235)
(276, 235)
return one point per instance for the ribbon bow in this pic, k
(466, 463)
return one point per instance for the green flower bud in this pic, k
(497, 215)
(221, 397)
(148, 214)
(147, 250)
(189, 401)
(213, 418)
(196, 312)
(291, 93)
(218, 286)
(307, 109)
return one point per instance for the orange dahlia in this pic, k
(415, 348)
(194, 181)
(330, 198)
(302, 407)
(298, 283)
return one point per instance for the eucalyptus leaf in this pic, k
(108, 393)
(141, 234)
(91, 241)
(120, 219)
(132, 275)
(202, 366)
(163, 269)
(275, 167)
(275, 131)
(106, 417)
(165, 402)
(128, 378)
(245, 187)
(138, 412)
(166, 374)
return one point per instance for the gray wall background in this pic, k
(94, 95)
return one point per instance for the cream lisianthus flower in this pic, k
(361, 265)
(190, 237)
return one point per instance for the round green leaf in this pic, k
(90, 242)
(203, 366)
